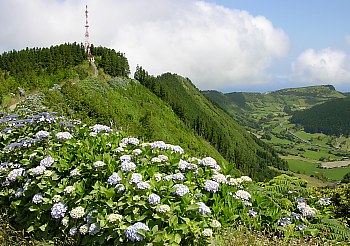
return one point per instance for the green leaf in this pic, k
(178, 238)
(30, 229)
(110, 203)
(43, 227)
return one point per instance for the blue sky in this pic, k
(226, 45)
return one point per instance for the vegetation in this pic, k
(268, 116)
(331, 118)
(66, 182)
(250, 155)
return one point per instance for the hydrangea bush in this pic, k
(59, 178)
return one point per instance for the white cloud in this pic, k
(214, 46)
(326, 66)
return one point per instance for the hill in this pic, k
(149, 112)
(268, 116)
(251, 155)
(331, 118)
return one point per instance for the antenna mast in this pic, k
(87, 43)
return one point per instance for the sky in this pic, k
(224, 45)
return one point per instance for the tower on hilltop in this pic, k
(87, 43)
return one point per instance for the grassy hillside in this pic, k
(126, 105)
(251, 155)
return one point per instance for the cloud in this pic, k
(214, 46)
(326, 66)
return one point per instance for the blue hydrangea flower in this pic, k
(114, 179)
(37, 198)
(47, 161)
(203, 209)
(94, 229)
(153, 199)
(181, 189)
(58, 210)
(132, 234)
(211, 186)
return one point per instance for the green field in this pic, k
(311, 169)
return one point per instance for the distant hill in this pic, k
(331, 118)
(240, 105)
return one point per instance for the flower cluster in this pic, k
(47, 161)
(325, 201)
(58, 210)
(135, 178)
(211, 186)
(99, 128)
(203, 209)
(210, 162)
(128, 166)
(243, 195)
(98, 164)
(163, 209)
(132, 234)
(306, 210)
(42, 134)
(63, 135)
(133, 141)
(77, 212)
(114, 217)
(180, 189)
(153, 199)
(114, 179)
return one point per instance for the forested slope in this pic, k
(251, 155)
(331, 118)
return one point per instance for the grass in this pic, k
(309, 168)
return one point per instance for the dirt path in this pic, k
(95, 69)
(13, 106)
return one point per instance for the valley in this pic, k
(267, 116)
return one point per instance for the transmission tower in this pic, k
(87, 43)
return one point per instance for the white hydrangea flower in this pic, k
(94, 228)
(56, 198)
(207, 232)
(246, 179)
(120, 187)
(48, 173)
(158, 145)
(84, 229)
(77, 212)
(132, 234)
(325, 201)
(125, 158)
(137, 152)
(98, 164)
(98, 128)
(69, 189)
(42, 134)
(163, 209)
(163, 158)
(39, 170)
(220, 178)
(131, 140)
(243, 195)
(119, 149)
(73, 231)
(63, 135)
(65, 221)
(13, 174)
(158, 177)
(156, 160)
(58, 210)
(215, 224)
(175, 149)
(114, 218)
(114, 179)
